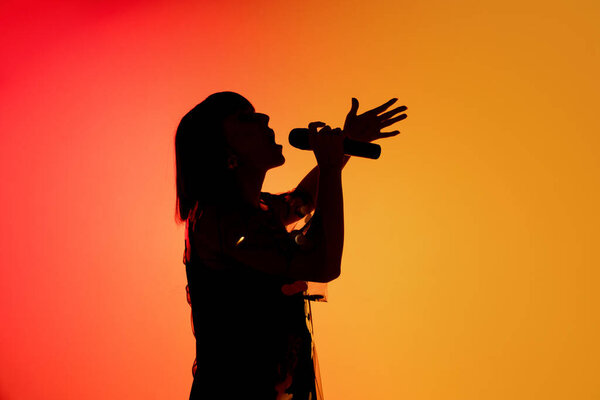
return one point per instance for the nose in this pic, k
(265, 117)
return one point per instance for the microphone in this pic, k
(299, 139)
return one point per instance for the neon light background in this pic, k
(470, 266)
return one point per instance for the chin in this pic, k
(279, 162)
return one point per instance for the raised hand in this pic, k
(367, 126)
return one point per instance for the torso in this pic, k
(245, 326)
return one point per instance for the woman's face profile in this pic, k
(251, 140)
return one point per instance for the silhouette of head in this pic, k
(214, 139)
(250, 141)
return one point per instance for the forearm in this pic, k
(310, 183)
(329, 230)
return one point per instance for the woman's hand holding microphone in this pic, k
(327, 144)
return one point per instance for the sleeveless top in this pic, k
(253, 330)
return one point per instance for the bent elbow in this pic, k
(333, 276)
(329, 273)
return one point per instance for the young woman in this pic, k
(246, 274)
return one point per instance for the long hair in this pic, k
(201, 153)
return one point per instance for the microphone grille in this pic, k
(299, 138)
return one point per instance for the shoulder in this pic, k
(297, 199)
(199, 231)
(211, 228)
(209, 220)
(289, 206)
(217, 222)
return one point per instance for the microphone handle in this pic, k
(361, 149)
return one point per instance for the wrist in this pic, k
(330, 168)
(334, 166)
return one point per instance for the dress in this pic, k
(253, 329)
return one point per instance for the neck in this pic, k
(249, 184)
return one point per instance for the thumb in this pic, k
(354, 108)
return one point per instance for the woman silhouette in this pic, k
(246, 274)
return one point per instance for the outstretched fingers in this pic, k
(391, 113)
(381, 108)
(388, 134)
(392, 120)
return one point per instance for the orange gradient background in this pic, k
(470, 266)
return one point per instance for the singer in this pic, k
(246, 273)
